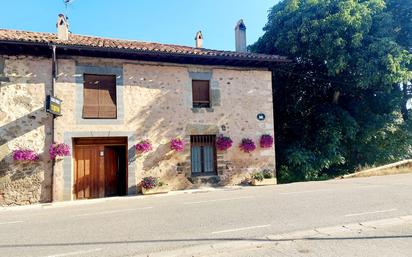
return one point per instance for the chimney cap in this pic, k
(199, 35)
(240, 25)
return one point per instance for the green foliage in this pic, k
(339, 105)
(258, 176)
(267, 174)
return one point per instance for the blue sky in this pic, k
(165, 21)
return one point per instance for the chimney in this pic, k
(240, 36)
(199, 39)
(62, 27)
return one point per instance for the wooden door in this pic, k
(89, 173)
(111, 167)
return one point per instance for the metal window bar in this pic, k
(203, 154)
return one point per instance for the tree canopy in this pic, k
(342, 103)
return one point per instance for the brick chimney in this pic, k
(199, 39)
(62, 27)
(240, 36)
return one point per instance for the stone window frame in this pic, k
(202, 129)
(68, 161)
(98, 70)
(214, 90)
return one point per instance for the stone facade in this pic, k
(24, 124)
(156, 104)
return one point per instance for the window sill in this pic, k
(202, 109)
(204, 175)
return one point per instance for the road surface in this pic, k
(299, 219)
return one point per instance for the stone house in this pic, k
(116, 93)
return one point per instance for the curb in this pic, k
(60, 204)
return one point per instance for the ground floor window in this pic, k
(203, 154)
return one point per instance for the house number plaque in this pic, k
(261, 116)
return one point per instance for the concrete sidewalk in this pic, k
(116, 198)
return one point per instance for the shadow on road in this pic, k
(206, 240)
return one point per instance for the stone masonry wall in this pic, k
(157, 106)
(24, 83)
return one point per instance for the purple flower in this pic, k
(59, 150)
(266, 141)
(247, 145)
(223, 143)
(25, 155)
(149, 182)
(143, 146)
(177, 144)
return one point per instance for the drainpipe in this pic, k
(54, 76)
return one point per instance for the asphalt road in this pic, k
(164, 225)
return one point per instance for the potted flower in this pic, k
(177, 145)
(59, 150)
(143, 146)
(152, 185)
(266, 141)
(247, 145)
(25, 155)
(263, 178)
(223, 143)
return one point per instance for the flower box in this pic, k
(264, 182)
(156, 190)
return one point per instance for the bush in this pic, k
(267, 173)
(150, 182)
(258, 176)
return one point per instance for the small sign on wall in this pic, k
(53, 105)
(261, 116)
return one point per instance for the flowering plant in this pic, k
(177, 144)
(247, 145)
(25, 155)
(143, 146)
(223, 143)
(266, 141)
(149, 182)
(59, 150)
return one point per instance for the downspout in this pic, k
(54, 76)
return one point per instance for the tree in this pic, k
(339, 106)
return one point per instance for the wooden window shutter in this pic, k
(90, 97)
(201, 93)
(107, 97)
(99, 96)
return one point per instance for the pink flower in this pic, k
(59, 150)
(177, 144)
(266, 141)
(223, 143)
(25, 155)
(247, 145)
(143, 146)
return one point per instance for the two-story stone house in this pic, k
(116, 93)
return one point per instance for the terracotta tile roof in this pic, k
(130, 45)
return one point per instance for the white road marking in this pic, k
(220, 200)
(241, 229)
(111, 212)
(74, 253)
(304, 192)
(370, 212)
(11, 222)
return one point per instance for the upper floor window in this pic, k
(201, 93)
(99, 97)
